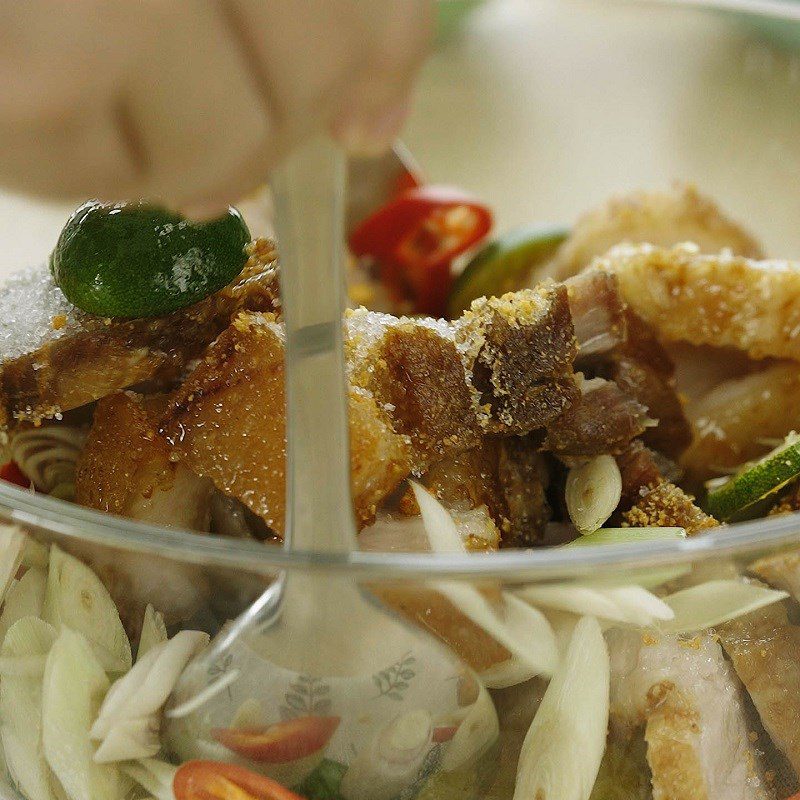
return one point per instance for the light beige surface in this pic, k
(546, 107)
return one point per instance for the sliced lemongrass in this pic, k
(627, 604)
(24, 599)
(35, 554)
(527, 636)
(22, 666)
(154, 631)
(132, 706)
(605, 536)
(73, 689)
(21, 709)
(130, 739)
(12, 546)
(593, 492)
(477, 732)
(563, 748)
(521, 629)
(153, 775)
(439, 525)
(77, 599)
(714, 602)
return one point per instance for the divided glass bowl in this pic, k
(542, 110)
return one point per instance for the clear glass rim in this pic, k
(86, 525)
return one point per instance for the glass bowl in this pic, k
(543, 110)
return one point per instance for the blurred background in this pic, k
(524, 104)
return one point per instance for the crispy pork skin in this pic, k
(227, 422)
(665, 218)
(54, 357)
(126, 469)
(721, 300)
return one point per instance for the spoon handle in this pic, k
(309, 190)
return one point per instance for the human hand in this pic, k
(191, 102)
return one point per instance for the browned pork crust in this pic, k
(54, 357)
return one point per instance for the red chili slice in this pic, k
(415, 238)
(281, 742)
(213, 780)
(11, 472)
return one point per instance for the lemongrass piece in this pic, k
(154, 631)
(12, 546)
(439, 525)
(477, 732)
(73, 688)
(22, 666)
(714, 602)
(593, 492)
(24, 599)
(152, 775)
(606, 536)
(77, 599)
(626, 604)
(21, 709)
(563, 748)
(129, 719)
(524, 634)
(521, 629)
(35, 554)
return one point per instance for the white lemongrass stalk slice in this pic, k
(478, 731)
(563, 748)
(35, 554)
(152, 775)
(21, 709)
(439, 525)
(133, 704)
(714, 602)
(154, 631)
(24, 599)
(130, 739)
(627, 604)
(527, 636)
(593, 492)
(76, 598)
(521, 629)
(12, 546)
(23, 666)
(605, 536)
(73, 688)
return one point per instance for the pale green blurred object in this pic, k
(450, 14)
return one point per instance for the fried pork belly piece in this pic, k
(663, 218)
(644, 370)
(421, 391)
(227, 421)
(735, 421)
(764, 648)
(604, 420)
(666, 506)
(524, 478)
(691, 704)
(720, 300)
(125, 468)
(54, 357)
(598, 312)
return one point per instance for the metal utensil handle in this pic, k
(309, 192)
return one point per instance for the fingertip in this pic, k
(371, 136)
